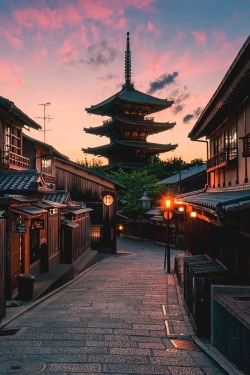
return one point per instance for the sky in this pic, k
(71, 53)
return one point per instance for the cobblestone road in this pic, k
(120, 317)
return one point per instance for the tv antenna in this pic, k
(44, 117)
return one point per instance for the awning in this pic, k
(69, 223)
(80, 211)
(216, 204)
(49, 204)
(218, 200)
(19, 198)
(31, 210)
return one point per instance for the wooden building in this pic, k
(12, 123)
(92, 190)
(128, 126)
(221, 226)
(42, 157)
(28, 243)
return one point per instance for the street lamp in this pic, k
(167, 216)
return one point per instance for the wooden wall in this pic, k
(2, 268)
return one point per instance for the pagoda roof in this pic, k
(129, 95)
(150, 126)
(145, 146)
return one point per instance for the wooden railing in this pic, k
(10, 160)
(222, 157)
(48, 178)
(246, 145)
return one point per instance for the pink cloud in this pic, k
(12, 37)
(69, 50)
(96, 10)
(180, 35)
(200, 37)
(9, 78)
(47, 18)
(121, 23)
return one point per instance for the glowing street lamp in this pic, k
(167, 216)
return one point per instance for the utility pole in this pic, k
(44, 117)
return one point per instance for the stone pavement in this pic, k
(123, 315)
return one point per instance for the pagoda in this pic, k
(128, 128)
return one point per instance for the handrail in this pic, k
(223, 156)
(12, 160)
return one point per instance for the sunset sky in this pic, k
(71, 53)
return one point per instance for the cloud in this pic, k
(108, 77)
(200, 37)
(164, 80)
(178, 108)
(10, 81)
(187, 118)
(101, 54)
(12, 37)
(179, 96)
(196, 113)
(47, 18)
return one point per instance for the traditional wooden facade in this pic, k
(90, 188)
(27, 233)
(221, 227)
(128, 127)
(12, 123)
(42, 157)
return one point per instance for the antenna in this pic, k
(44, 117)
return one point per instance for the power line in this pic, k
(44, 117)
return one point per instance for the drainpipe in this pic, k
(245, 125)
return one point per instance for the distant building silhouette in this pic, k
(128, 128)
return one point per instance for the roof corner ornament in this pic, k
(128, 62)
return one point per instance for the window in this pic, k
(227, 141)
(12, 139)
(46, 165)
(219, 144)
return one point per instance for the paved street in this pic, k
(122, 316)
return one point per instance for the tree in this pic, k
(136, 183)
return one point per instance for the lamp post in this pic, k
(168, 217)
(108, 233)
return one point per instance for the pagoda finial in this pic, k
(127, 62)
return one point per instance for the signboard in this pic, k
(20, 228)
(168, 215)
(37, 223)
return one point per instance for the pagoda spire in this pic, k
(128, 62)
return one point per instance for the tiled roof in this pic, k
(130, 144)
(28, 180)
(11, 108)
(130, 95)
(59, 196)
(231, 92)
(151, 127)
(218, 199)
(46, 146)
(184, 175)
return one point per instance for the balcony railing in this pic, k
(10, 160)
(246, 145)
(224, 156)
(48, 178)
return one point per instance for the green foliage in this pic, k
(136, 183)
(93, 163)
